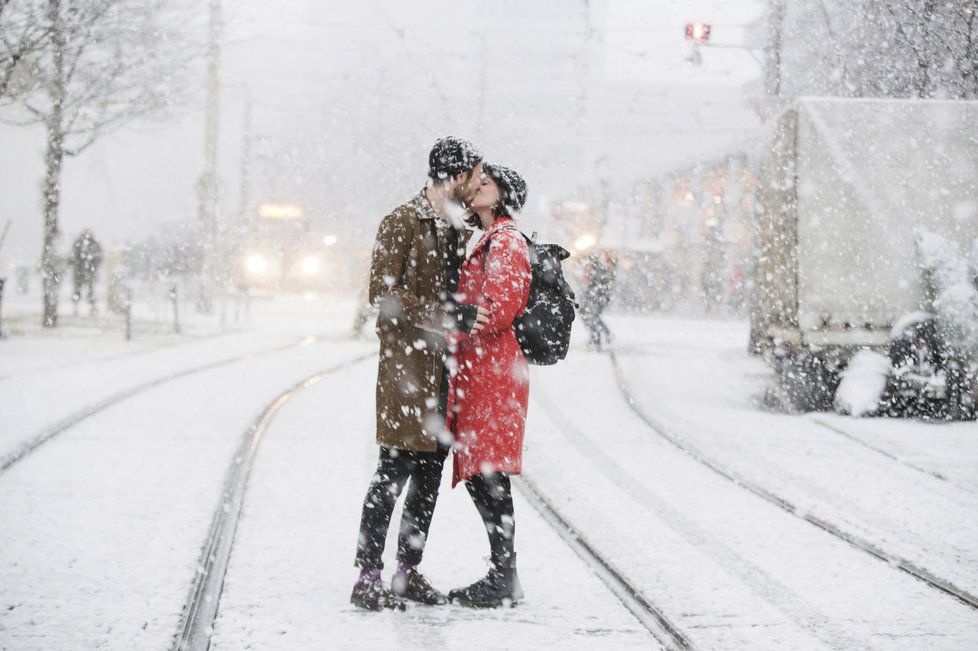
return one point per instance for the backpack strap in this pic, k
(485, 247)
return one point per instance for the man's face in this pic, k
(466, 185)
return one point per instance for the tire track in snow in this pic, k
(24, 449)
(902, 564)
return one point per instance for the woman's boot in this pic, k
(500, 587)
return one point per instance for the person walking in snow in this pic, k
(413, 278)
(489, 387)
(599, 280)
(86, 258)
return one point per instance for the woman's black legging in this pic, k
(493, 497)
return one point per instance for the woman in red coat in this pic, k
(489, 386)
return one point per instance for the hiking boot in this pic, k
(500, 587)
(369, 593)
(410, 584)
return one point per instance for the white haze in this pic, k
(349, 97)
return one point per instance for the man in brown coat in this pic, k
(413, 276)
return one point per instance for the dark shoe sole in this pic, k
(495, 603)
(395, 605)
(426, 602)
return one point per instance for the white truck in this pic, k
(848, 186)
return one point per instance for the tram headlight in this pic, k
(310, 265)
(585, 242)
(256, 264)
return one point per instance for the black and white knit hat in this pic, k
(452, 156)
(512, 187)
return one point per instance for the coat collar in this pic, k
(425, 209)
(501, 223)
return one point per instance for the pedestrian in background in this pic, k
(86, 258)
(599, 282)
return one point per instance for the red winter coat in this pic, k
(489, 386)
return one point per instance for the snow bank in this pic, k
(954, 293)
(862, 383)
(907, 321)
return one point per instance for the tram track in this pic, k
(50, 432)
(657, 427)
(818, 421)
(631, 596)
(19, 375)
(708, 542)
(200, 611)
(878, 450)
(203, 604)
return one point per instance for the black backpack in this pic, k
(543, 330)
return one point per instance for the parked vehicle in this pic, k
(848, 188)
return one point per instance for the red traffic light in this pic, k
(699, 32)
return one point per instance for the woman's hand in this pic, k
(481, 319)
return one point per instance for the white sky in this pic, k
(350, 96)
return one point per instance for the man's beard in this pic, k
(458, 196)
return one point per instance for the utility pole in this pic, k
(207, 186)
(245, 176)
(583, 74)
(594, 149)
(483, 73)
(772, 68)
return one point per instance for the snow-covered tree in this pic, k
(82, 68)
(953, 295)
(866, 48)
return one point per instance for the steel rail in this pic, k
(645, 611)
(26, 448)
(200, 610)
(660, 429)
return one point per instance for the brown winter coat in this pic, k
(408, 281)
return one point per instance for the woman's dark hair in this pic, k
(498, 210)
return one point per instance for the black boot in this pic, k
(369, 593)
(409, 583)
(500, 587)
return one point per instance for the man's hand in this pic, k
(481, 319)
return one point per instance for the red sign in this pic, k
(699, 32)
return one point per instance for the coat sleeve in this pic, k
(388, 264)
(507, 280)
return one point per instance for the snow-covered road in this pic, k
(102, 526)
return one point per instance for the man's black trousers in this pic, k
(394, 469)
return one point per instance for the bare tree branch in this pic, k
(922, 64)
(22, 37)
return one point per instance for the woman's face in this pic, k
(487, 194)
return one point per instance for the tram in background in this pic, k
(282, 250)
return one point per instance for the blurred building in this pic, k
(682, 239)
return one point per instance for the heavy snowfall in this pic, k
(249, 251)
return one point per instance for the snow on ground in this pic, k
(102, 526)
(733, 570)
(705, 394)
(291, 571)
(51, 374)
